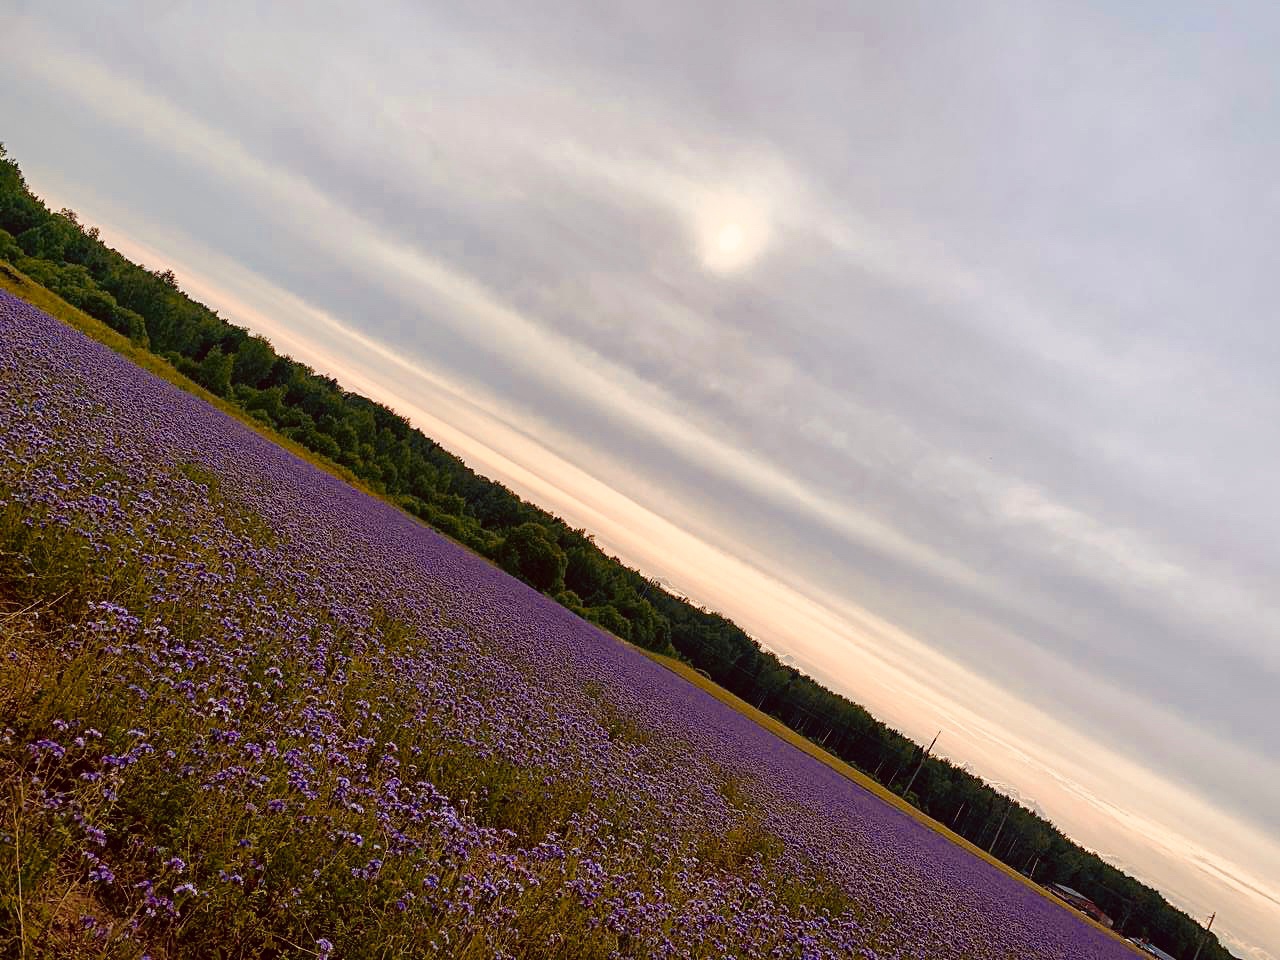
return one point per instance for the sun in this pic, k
(730, 239)
(731, 230)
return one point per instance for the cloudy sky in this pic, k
(934, 343)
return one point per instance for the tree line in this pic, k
(390, 456)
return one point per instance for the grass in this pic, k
(19, 285)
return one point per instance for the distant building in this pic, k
(1082, 903)
(1149, 947)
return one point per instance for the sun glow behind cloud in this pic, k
(732, 231)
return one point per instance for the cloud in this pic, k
(969, 419)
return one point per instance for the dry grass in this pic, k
(48, 912)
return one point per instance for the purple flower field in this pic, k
(247, 710)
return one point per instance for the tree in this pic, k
(214, 372)
(529, 552)
(254, 362)
(649, 628)
(9, 249)
(609, 618)
(19, 210)
(587, 574)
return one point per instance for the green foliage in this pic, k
(588, 573)
(254, 362)
(609, 618)
(9, 249)
(529, 553)
(569, 599)
(649, 628)
(19, 210)
(74, 284)
(214, 372)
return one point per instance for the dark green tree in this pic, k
(529, 552)
(254, 361)
(214, 372)
(609, 618)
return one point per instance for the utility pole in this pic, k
(649, 584)
(1013, 845)
(1000, 828)
(924, 756)
(1128, 912)
(893, 776)
(1204, 936)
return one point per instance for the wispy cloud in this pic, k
(906, 371)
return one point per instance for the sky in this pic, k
(933, 343)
